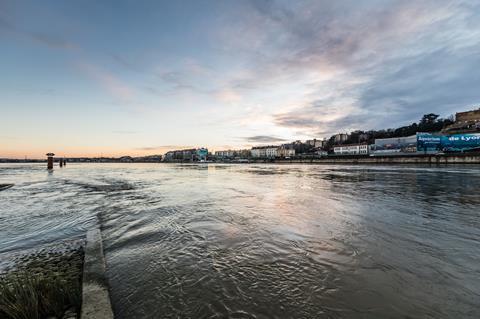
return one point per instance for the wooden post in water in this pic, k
(61, 162)
(50, 160)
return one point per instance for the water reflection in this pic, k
(264, 241)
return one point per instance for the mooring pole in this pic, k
(50, 160)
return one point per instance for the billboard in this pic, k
(395, 145)
(460, 142)
(428, 143)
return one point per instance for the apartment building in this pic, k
(352, 149)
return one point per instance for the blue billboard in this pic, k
(460, 142)
(427, 142)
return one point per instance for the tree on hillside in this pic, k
(428, 123)
(429, 119)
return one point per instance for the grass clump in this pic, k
(43, 287)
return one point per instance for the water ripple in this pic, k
(263, 241)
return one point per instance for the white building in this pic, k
(285, 152)
(352, 149)
(271, 151)
(265, 151)
(228, 153)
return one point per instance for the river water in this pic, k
(262, 241)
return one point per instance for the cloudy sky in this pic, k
(141, 77)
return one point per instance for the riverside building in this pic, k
(187, 155)
(272, 151)
(259, 151)
(233, 154)
(352, 149)
(225, 154)
(285, 152)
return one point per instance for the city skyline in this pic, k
(139, 78)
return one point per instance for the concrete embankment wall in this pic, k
(95, 297)
(405, 159)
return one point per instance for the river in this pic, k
(262, 241)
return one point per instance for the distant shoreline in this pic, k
(466, 158)
(400, 159)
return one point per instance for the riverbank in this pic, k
(382, 160)
(44, 284)
(458, 158)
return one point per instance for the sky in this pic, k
(111, 78)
